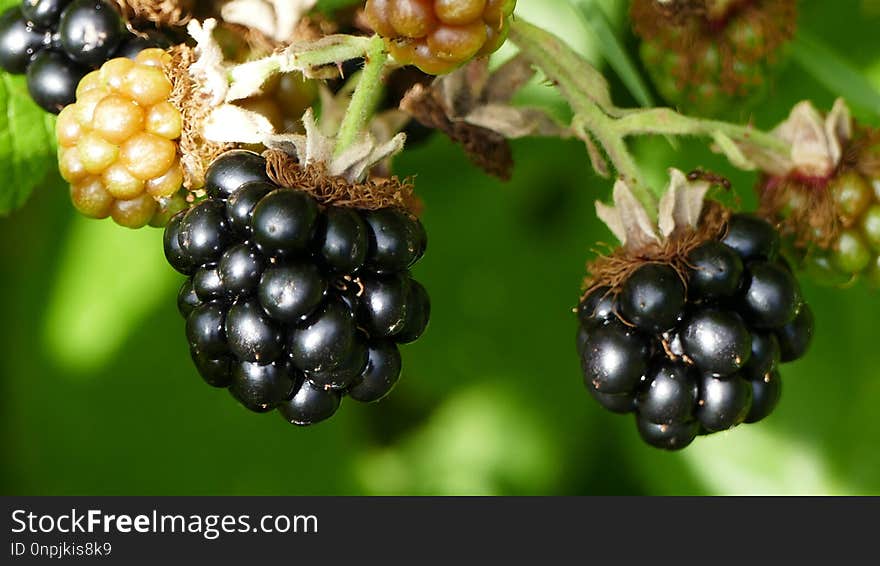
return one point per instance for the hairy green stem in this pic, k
(666, 121)
(366, 95)
(597, 119)
(586, 91)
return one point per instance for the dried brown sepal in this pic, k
(165, 13)
(614, 269)
(472, 106)
(487, 149)
(699, 25)
(194, 105)
(371, 194)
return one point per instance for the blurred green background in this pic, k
(97, 394)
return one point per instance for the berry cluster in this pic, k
(56, 42)
(854, 248)
(116, 144)
(289, 304)
(709, 57)
(439, 35)
(702, 355)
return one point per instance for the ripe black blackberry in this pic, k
(694, 346)
(56, 42)
(290, 303)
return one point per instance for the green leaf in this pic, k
(834, 71)
(26, 143)
(613, 51)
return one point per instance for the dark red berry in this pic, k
(765, 356)
(717, 341)
(19, 42)
(614, 359)
(598, 306)
(217, 372)
(667, 436)
(90, 31)
(381, 374)
(383, 304)
(344, 375)
(342, 239)
(52, 80)
(418, 312)
(766, 392)
(290, 292)
(796, 336)
(205, 330)
(43, 13)
(752, 238)
(240, 205)
(396, 240)
(204, 233)
(283, 221)
(251, 335)
(187, 300)
(652, 298)
(232, 170)
(207, 284)
(175, 255)
(669, 394)
(310, 405)
(723, 402)
(261, 388)
(240, 269)
(715, 271)
(771, 296)
(324, 340)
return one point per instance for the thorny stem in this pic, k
(366, 95)
(597, 119)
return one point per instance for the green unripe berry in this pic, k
(822, 270)
(852, 194)
(871, 227)
(852, 254)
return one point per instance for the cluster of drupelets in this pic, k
(293, 301)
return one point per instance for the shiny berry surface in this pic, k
(614, 359)
(796, 336)
(19, 42)
(771, 295)
(90, 31)
(752, 238)
(380, 375)
(395, 240)
(669, 395)
(699, 353)
(324, 340)
(282, 303)
(342, 239)
(715, 271)
(667, 436)
(232, 170)
(43, 13)
(652, 298)
(52, 80)
(310, 405)
(260, 388)
(723, 403)
(439, 36)
(718, 342)
(283, 221)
